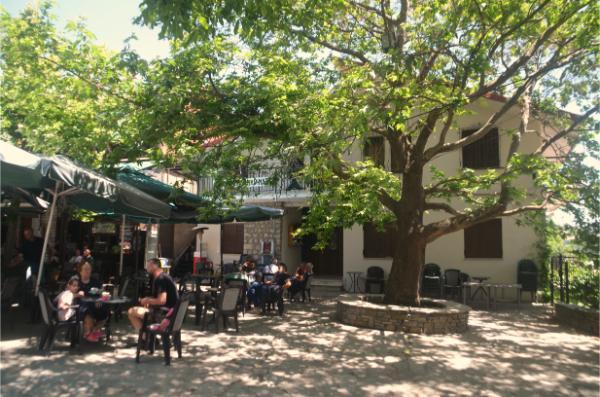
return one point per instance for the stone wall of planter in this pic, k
(434, 317)
(580, 318)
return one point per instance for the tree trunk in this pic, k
(403, 284)
(402, 287)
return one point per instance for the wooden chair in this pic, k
(175, 322)
(72, 326)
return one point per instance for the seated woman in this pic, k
(299, 279)
(94, 315)
(249, 268)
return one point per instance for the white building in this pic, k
(491, 249)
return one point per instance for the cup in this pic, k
(105, 296)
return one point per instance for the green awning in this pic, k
(184, 204)
(162, 191)
(246, 213)
(84, 188)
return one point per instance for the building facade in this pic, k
(491, 249)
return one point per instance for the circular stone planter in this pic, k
(433, 317)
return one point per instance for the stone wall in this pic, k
(435, 317)
(254, 232)
(585, 320)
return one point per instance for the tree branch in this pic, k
(348, 51)
(559, 135)
(440, 207)
(527, 55)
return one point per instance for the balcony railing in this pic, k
(262, 185)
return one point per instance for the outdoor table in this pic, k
(480, 289)
(502, 287)
(236, 276)
(98, 299)
(112, 302)
(466, 286)
(354, 277)
(199, 277)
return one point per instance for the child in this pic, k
(64, 300)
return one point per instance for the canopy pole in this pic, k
(47, 237)
(221, 249)
(123, 220)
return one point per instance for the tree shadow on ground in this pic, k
(306, 353)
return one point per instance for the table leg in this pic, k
(489, 292)
(464, 293)
(495, 298)
(518, 298)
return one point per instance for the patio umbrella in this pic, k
(84, 188)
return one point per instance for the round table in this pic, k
(112, 303)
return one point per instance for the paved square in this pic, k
(506, 353)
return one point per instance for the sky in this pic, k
(111, 21)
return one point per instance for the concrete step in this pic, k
(326, 282)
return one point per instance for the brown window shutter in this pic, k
(377, 244)
(484, 240)
(233, 238)
(484, 153)
(375, 150)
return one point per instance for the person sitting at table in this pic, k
(254, 293)
(248, 266)
(272, 291)
(64, 300)
(94, 315)
(164, 293)
(299, 279)
(272, 268)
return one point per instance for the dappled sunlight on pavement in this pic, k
(306, 353)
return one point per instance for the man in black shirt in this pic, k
(164, 293)
(31, 249)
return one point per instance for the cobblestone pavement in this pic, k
(305, 353)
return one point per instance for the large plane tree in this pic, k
(315, 78)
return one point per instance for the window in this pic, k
(484, 153)
(375, 150)
(377, 244)
(233, 238)
(484, 240)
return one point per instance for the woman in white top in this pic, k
(64, 300)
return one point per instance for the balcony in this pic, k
(261, 187)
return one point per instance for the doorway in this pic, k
(328, 262)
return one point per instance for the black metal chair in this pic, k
(452, 282)
(375, 276)
(527, 276)
(72, 326)
(121, 292)
(225, 306)
(173, 328)
(9, 291)
(243, 286)
(431, 279)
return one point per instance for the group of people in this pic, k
(95, 315)
(268, 283)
